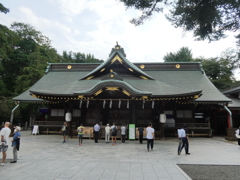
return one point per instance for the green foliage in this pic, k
(6, 106)
(73, 57)
(3, 9)
(24, 56)
(220, 70)
(182, 55)
(208, 19)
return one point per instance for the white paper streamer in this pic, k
(87, 103)
(110, 104)
(143, 104)
(104, 103)
(153, 104)
(119, 104)
(128, 104)
(80, 105)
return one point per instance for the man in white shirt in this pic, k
(123, 133)
(4, 141)
(96, 132)
(107, 133)
(150, 136)
(183, 134)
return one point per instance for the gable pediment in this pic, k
(118, 63)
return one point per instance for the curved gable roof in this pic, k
(117, 57)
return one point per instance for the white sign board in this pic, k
(35, 130)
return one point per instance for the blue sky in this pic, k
(94, 26)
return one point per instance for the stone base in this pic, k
(231, 134)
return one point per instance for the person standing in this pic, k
(16, 143)
(114, 134)
(123, 133)
(238, 135)
(64, 131)
(96, 129)
(150, 136)
(107, 133)
(80, 130)
(4, 141)
(140, 131)
(183, 134)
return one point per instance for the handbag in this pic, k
(3, 147)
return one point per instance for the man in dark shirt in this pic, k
(140, 130)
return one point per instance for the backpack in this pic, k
(114, 130)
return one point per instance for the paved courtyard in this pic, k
(46, 157)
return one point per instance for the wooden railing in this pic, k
(194, 129)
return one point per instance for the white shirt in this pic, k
(96, 127)
(107, 129)
(123, 130)
(182, 133)
(150, 130)
(5, 132)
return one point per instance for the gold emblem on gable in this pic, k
(178, 66)
(142, 66)
(69, 67)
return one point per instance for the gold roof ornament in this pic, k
(116, 58)
(143, 77)
(178, 66)
(98, 92)
(90, 77)
(112, 89)
(69, 67)
(125, 92)
(142, 66)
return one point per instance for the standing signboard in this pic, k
(132, 132)
(35, 130)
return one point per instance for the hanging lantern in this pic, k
(104, 103)
(119, 104)
(110, 104)
(152, 104)
(80, 105)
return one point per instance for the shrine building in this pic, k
(122, 92)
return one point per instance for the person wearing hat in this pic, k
(107, 133)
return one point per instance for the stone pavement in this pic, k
(46, 157)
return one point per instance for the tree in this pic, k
(3, 9)
(208, 19)
(73, 57)
(220, 69)
(182, 55)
